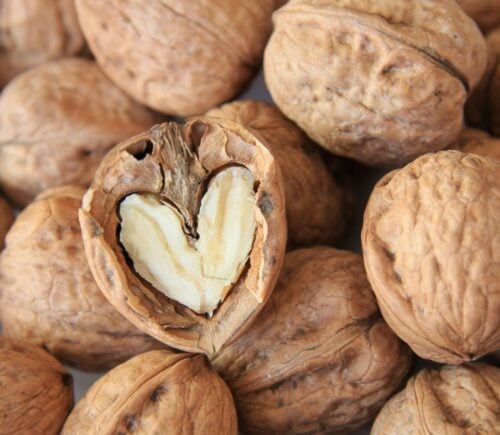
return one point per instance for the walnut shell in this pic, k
(382, 81)
(34, 32)
(486, 13)
(57, 121)
(319, 357)
(175, 161)
(447, 400)
(37, 391)
(207, 53)
(315, 203)
(6, 219)
(483, 107)
(156, 392)
(432, 254)
(49, 296)
(478, 142)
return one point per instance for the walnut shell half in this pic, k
(172, 164)
(319, 358)
(6, 219)
(478, 142)
(37, 391)
(57, 121)
(380, 81)
(315, 203)
(49, 296)
(447, 400)
(486, 13)
(432, 253)
(156, 392)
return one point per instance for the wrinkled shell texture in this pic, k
(37, 391)
(314, 201)
(175, 162)
(382, 81)
(207, 53)
(48, 294)
(319, 357)
(34, 32)
(478, 142)
(6, 219)
(156, 392)
(486, 13)
(57, 121)
(449, 400)
(431, 244)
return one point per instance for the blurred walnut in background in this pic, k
(486, 13)
(478, 142)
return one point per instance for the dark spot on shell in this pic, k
(157, 392)
(67, 379)
(266, 204)
(141, 150)
(131, 423)
(281, 403)
(86, 153)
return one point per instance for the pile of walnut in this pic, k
(201, 262)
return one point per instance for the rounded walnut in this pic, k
(205, 54)
(478, 142)
(315, 203)
(48, 294)
(34, 32)
(447, 400)
(6, 219)
(37, 391)
(319, 357)
(432, 254)
(486, 13)
(156, 392)
(380, 81)
(57, 121)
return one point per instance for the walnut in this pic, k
(37, 391)
(315, 203)
(483, 107)
(57, 121)
(486, 13)
(161, 227)
(48, 294)
(156, 392)
(34, 32)
(319, 358)
(431, 248)
(450, 399)
(478, 142)
(380, 81)
(6, 219)
(205, 55)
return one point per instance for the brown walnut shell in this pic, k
(175, 161)
(315, 203)
(486, 13)
(208, 51)
(478, 142)
(448, 400)
(319, 358)
(37, 391)
(156, 392)
(432, 254)
(6, 219)
(57, 121)
(35, 32)
(380, 81)
(49, 296)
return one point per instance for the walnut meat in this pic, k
(486, 13)
(37, 391)
(450, 399)
(379, 81)
(57, 121)
(315, 203)
(48, 294)
(319, 357)
(185, 230)
(34, 32)
(432, 254)
(207, 53)
(6, 219)
(478, 142)
(156, 392)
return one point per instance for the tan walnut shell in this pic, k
(180, 58)
(57, 121)
(37, 391)
(49, 296)
(175, 161)
(478, 142)
(319, 358)
(486, 13)
(156, 392)
(432, 254)
(448, 400)
(483, 107)
(6, 219)
(380, 81)
(315, 203)
(35, 32)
